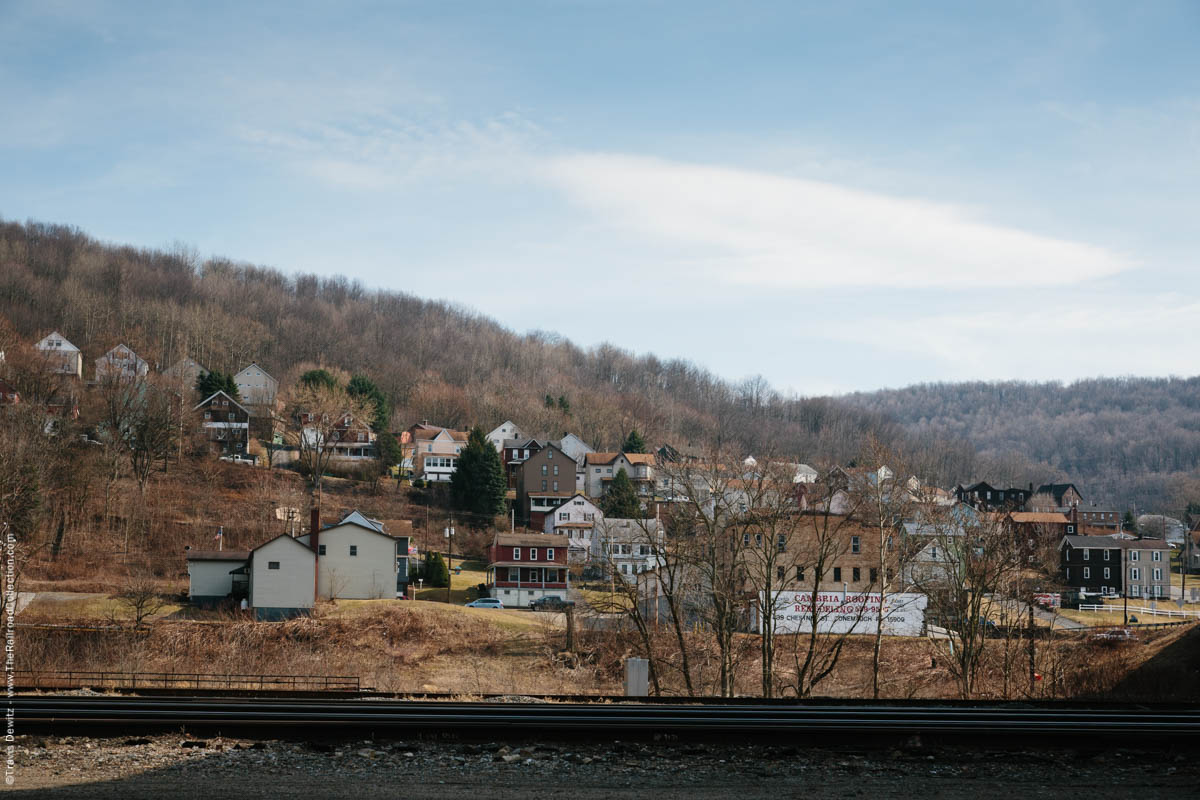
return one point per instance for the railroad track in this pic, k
(318, 717)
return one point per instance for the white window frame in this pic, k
(549, 553)
(533, 554)
(516, 554)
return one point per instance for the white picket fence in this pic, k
(1154, 612)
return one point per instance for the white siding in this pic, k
(369, 574)
(211, 578)
(290, 586)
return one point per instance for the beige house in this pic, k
(435, 451)
(601, 468)
(120, 363)
(62, 357)
(256, 387)
(356, 560)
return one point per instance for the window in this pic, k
(799, 573)
(533, 554)
(578, 502)
(643, 549)
(1087, 554)
(543, 469)
(320, 549)
(1106, 573)
(889, 545)
(1107, 553)
(1156, 555)
(1070, 529)
(837, 573)
(857, 573)
(232, 416)
(1135, 591)
(516, 554)
(208, 415)
(1158, 573)
(746, 539)
(563, 516)
(272, 565)
(514, 574)
(874, 575)
(758, 539)
(780, 542)
(1087, 573)
(543, 486)
(549, 454)
(597, 470)
(555, 486)
(780, 572)
(556, 469)
(933, 553)
(1133, 555)
(1134, 574)
(549, 553)
(855, 545)
(353, 549)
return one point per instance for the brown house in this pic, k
(223, 423)
(545, 480)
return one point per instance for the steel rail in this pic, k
(130, 713)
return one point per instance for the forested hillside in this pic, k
(1128, 441)
(1124, 441)
(433, 360)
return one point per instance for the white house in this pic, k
(62, 357)
(505, 430)
(627, 547)
(435, 451)
(282, 575)
(356, 560)
(577, 449)
(120, 363)
(255, 386)
(576, 518)
(184, 373)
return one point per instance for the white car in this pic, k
(485, 602)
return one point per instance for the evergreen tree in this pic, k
(1128, 524)
(478, 485)
(364, 387)
(549, 401)
(621, 500)
(437, 574)
(564, 405)
(318, 379)
(634, 443)
(216, 381)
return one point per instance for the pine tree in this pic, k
(216, 381)
(437, 574)
(478, 485)
(621, 500)
(634, 443)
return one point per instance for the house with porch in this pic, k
(546, 480)
(224, 423)
(576, 518)
(601, 468)
(435, 451)
(525, 567)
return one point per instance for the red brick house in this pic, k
(525, 567)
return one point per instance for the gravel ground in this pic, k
(183, 767)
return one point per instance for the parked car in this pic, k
(485, 602)
(1115, 636)
(549, 603)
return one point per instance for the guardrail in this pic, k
(79, 679)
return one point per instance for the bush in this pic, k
(436, 572)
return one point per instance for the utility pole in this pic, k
(449, 557)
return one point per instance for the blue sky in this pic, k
(835, 196)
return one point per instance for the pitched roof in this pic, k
(608, 458)
(1057, 490)
(66, 345)
(425, 432)
(1093, 541)
(541, 539)
(214, 394)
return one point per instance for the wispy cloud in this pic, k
(781, 232)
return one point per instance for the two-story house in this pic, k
(625, 548)
(183, 374)
(502, 432)
(1055, 497)
(545, 480)
(61, 357)
(1148, 568)
(985, 497)
(223, 422)
(515, 452)
(256, 387)
(601, 468)
(120, 363)
(1111, 564)
(576, 519)
(358, 559)
(525, 567)
(434, 451)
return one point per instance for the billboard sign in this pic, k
(847, 612)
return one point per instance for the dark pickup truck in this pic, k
(550, 603)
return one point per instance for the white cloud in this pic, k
(762, 230)
(1050, 338)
